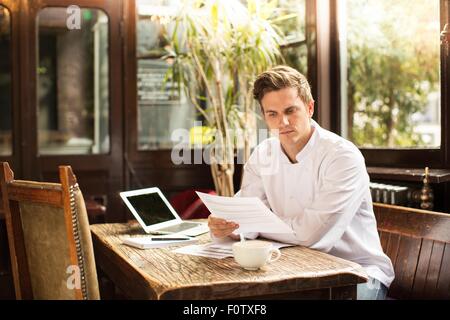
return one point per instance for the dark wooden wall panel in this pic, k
(392, 247)
(6, 283)
(92, 182)
(422, 269)
(384, 237)
(434, 269)
(443, 286)
(405, 265)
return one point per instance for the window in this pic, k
(390, 73)
(5, 83)
(290, 18)
(161, 110)
(294, 47)
(73, 83)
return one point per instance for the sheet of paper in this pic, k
(228, 243)
(203, 251)
(219, 250)
(250, 213)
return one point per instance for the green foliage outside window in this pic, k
(393, 71)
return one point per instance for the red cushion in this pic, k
(189, 206)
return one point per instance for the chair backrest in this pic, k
(189, 206)
(49, 238)
(418, 243)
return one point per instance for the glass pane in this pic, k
(390, 60)
(73, 81)
(296, 56)
(161, 110)
(5, 83)
(290, 18)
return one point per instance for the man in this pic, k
(319, 184)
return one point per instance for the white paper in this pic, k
(219, 250)
(203, 251)
(147, 243)
(249, 212)
(228, 243)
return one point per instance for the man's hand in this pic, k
(221, 228)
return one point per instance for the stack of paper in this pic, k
(205, 250)
(219, 250)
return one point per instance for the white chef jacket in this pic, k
(324, 197)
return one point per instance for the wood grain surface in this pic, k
(162, 274)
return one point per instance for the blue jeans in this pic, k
(371, 290)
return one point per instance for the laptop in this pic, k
(155, 214)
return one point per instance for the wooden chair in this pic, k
(49, 238)
(418, 243)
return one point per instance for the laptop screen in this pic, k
(151, 208)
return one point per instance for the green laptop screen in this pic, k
(151, 208)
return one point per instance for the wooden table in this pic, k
(300, 273)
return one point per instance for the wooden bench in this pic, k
(418, 243)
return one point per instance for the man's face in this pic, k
(285, 111)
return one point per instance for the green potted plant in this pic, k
(217, 48)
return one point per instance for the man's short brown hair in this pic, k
(281, 77)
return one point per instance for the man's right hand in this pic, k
(221, 228)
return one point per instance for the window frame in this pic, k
(388, 157)
(10, 151)
(100, 174)
(13, 158)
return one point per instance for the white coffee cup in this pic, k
(254, 254)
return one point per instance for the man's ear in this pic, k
(311, 108)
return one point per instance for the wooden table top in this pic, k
(162, 274)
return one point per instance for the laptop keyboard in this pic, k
(179, 227)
